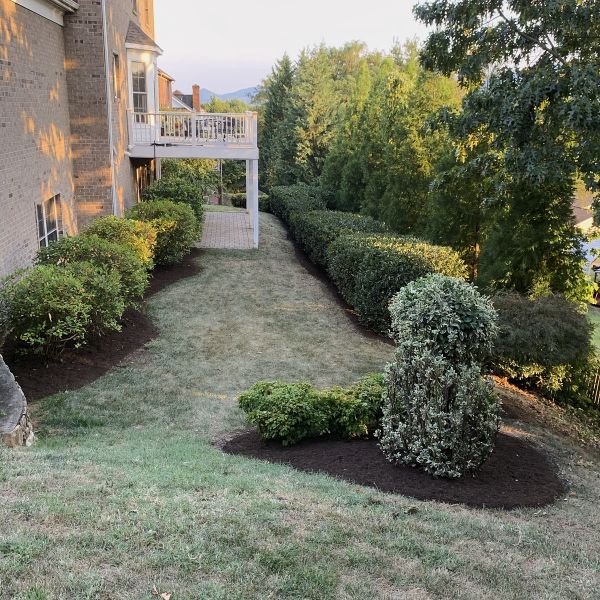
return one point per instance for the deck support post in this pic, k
(252, 196)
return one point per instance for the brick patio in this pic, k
(232, 230)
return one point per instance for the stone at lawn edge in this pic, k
(15, 425)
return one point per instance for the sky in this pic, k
(230, 46)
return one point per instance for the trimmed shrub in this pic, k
(137, 235)
(284, 200)
(176, 228)
(290, 412)
(238, 200)
(103, 254)
(369, 269)
(48, 308)
(316, 229)
(181, 191)
(439, 413)
(545, 344)
(103, 291)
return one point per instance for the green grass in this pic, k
(594, 317)
(124, 492)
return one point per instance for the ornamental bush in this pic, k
(439, 413)
(105, 255)
(545, 343)
(179, 190)
(369, 269)
(316, 229)
(137, 235)
(47, 308)
(290, 412)
(176, 228)
(238, 200)
(284, 200)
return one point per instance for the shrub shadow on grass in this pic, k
(516, 475)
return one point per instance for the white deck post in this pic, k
(248, 195)
(252, 197)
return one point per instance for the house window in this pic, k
(48, 215)
(140, 93)
(135, 6)
(117, 75)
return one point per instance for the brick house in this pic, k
(81, 121)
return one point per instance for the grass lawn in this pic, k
(594, 317)
(123, 493)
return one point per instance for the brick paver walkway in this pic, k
(227, 230)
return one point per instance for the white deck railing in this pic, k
(193, 129)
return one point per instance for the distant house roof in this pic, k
(137, 37)
(582, 209)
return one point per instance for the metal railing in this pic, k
(192, 128)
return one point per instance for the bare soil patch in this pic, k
(516, 475)
(79, 367)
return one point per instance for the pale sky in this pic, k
(225, 46)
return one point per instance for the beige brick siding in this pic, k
(34, 130)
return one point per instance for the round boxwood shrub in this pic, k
(180, 190)
(137, 235)
(369, 269)
(48, 308)
(316, 229)
(439, 413)
(103, 254)
(176, 228)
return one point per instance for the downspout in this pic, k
(109, 110)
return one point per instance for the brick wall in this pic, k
(34, 130)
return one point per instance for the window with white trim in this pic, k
(138, 85)
(48, 220)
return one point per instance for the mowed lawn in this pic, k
(125, 497)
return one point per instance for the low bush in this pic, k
(47, 308)
(103, 254)
(545, 344)
(290, 412)
(137, 235)
(176, 228)
(284, 200)
(439, 413)
(316, 229)
(238, 200)
(369, 269)
(178, 190)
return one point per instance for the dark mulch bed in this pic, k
(77, 368)
(516, 475)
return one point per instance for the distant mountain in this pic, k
(245, 95)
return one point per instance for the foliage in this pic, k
(288, 412)
(103, 294)
(291, 412)
(531, 71)
(137, 235)
(239, 201)
(103, 254)
(440, 417)
(181, 191)
(447, 316)
(48, 308)
(315, 230)
(439, 413)
(176, 228)
(545, 343)
(201, 172)
(369, 269)
(284, 200)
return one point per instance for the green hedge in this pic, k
(369, 269)
(178, 190)
(291, 412)
(176, 228)
(316, 229)
(284, 200)
(103, 254)
(238, 200)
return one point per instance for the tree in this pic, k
(532, 74)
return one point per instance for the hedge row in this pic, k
(290, 412)
(80, 286)
(238, 200)
(367, 263)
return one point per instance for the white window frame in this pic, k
(117, 75)
(44, 227)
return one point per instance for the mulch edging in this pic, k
(79, 367)
(516, 475)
